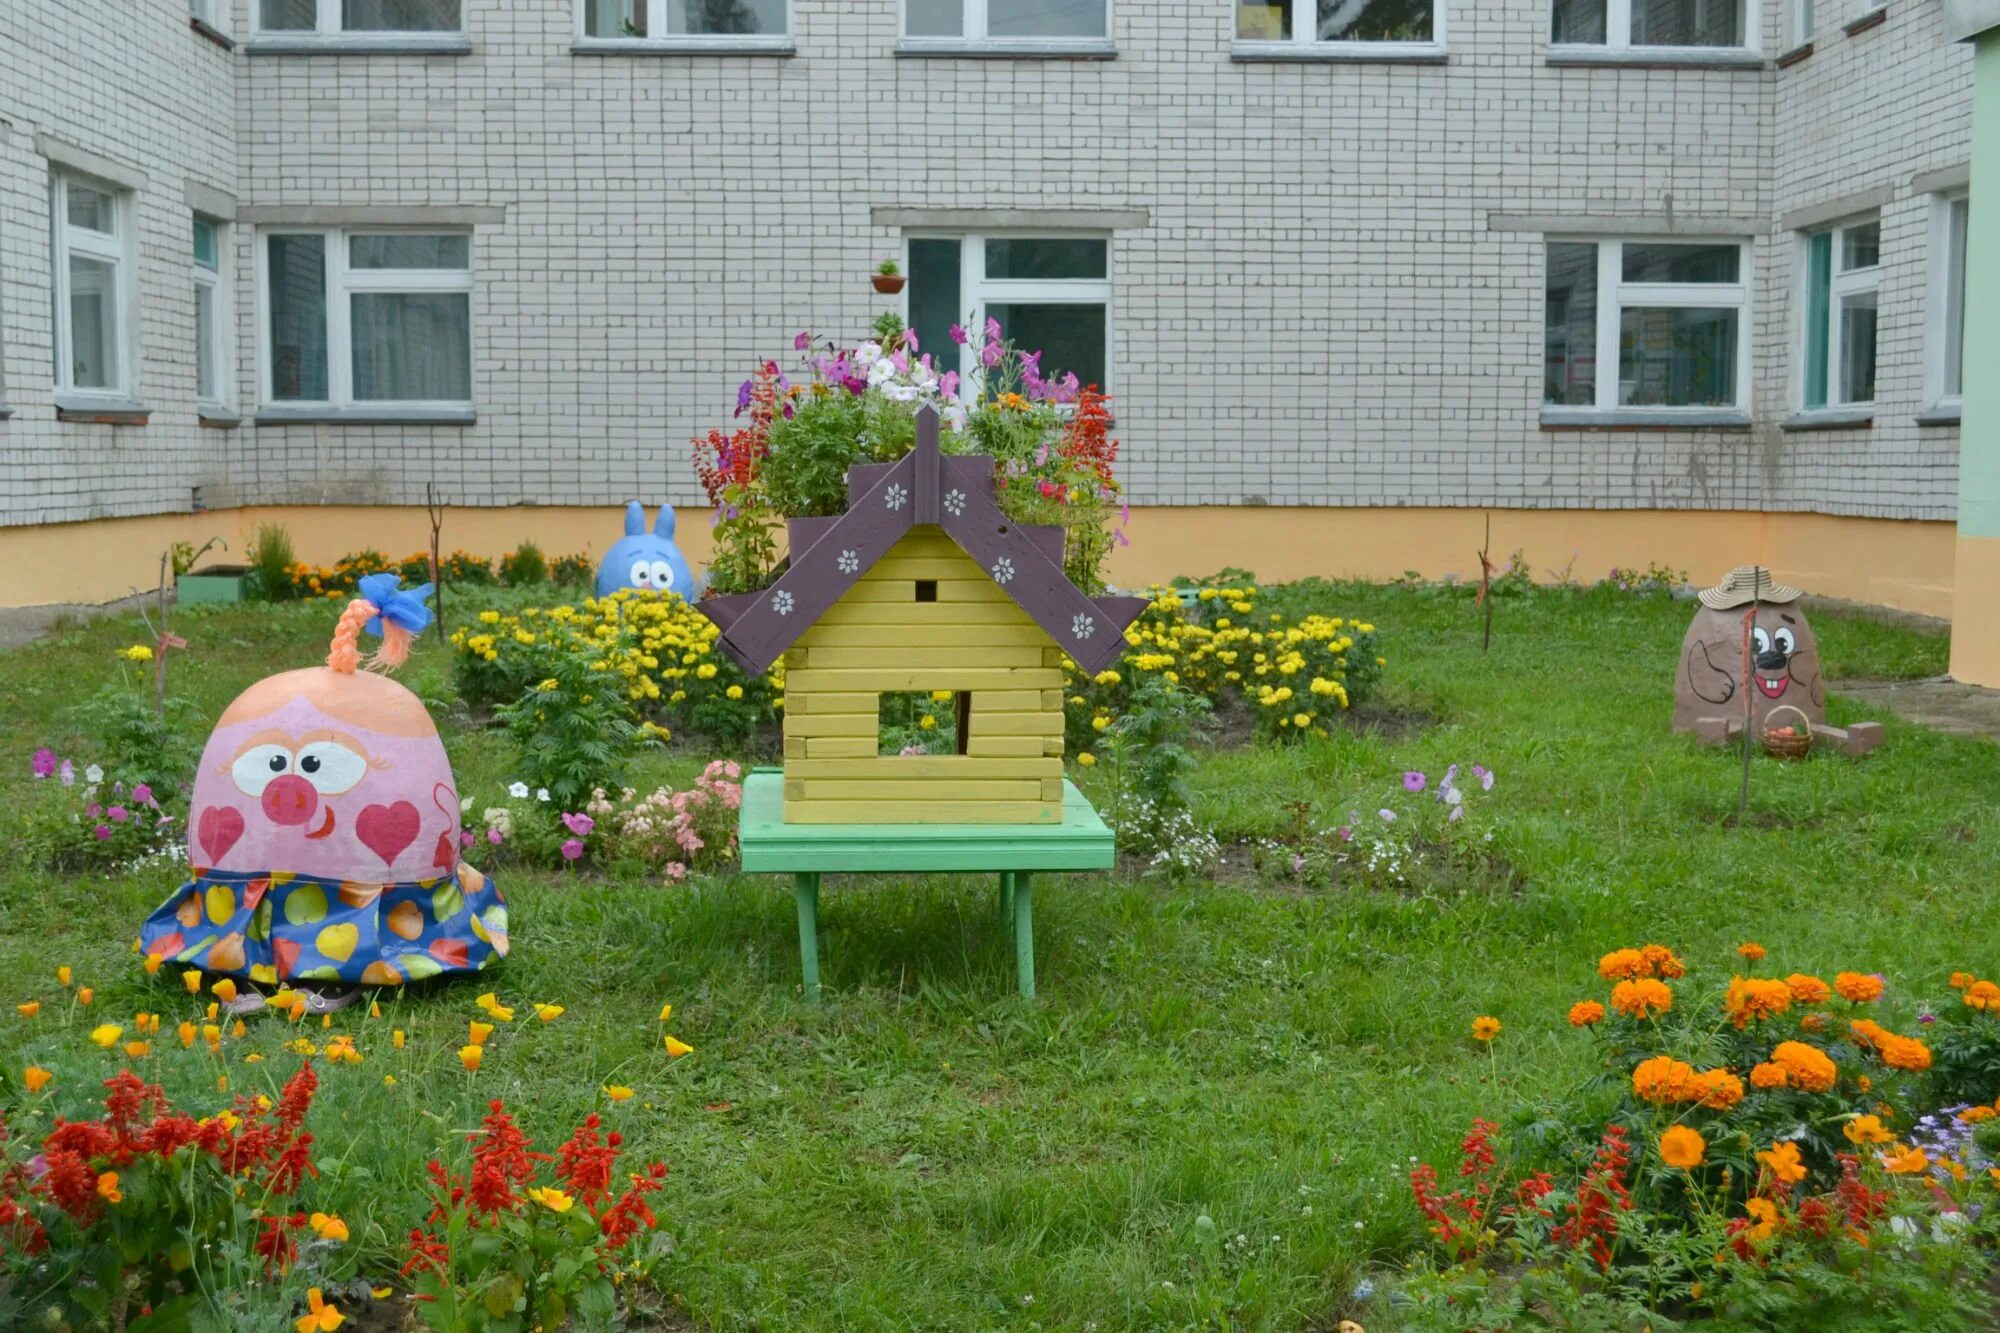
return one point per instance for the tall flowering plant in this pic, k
(730, 468)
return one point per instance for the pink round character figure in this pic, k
(324, 831)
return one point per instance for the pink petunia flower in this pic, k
(43, 763)
(102, 832)
(957, 334)
(119, 814)
(572, 850)
(580, 825)
(142, 795)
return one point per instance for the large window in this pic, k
(1802, 22)
(367, 319)
(1645, 325)
(1944, 342)
(690, 22)
(211, 315)
(1335, 26)
(1843, 276)
(1620, 24)
(1006, 22)
(1050, 294)
(93, 287)
(357, 16)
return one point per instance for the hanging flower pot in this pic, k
(888, 278)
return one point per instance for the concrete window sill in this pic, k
(352, 44)
(101, 410)
(1943, 414)
(217, 418)
(1654, 57)
(1341, 53)
(1867, 21)
(320, 414)
(212, 33)
(1839, 418)
(5, 411)
(1796, 55)
(777, 45)
(1588, 418)
(952, 48)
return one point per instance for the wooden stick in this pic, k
(436, 512)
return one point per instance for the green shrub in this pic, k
(271, 561)
(573, 731)
(524, 565)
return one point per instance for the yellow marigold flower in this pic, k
(706, 671)
(1642, 998)
(1663, 961)
(470, 1056)
(1863, 1130)
(1584, 1013)
(36, 1078)
(1086, 759)
(30, 1009)
(1485, 1028)
(1808, 989)
(734, 692)
(106, 1035)
(1910, 1161)
(1782, 1160)
(1100, 722)
(1752, 952)
(1807, 1068)
(927, 722)
(1751, 999)
(676, 1047)
(138, 652)
(1858, 986)
(1682, 1147)
(552, 1199)
(618, 1092)
(1623, 965)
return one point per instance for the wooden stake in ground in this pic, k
(1485, 598)
(436, 512)
(1749, 679)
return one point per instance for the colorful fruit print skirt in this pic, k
(279, 926)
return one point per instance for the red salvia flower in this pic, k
(293, 1165)
(587, 1162)
(274, 1242)
(629, 1215)
(1086, 441)
(297, 1098)
(426, 1251)
(1593, 1214)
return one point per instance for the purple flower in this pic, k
(68, 773)
(1388, 816)
(465, 840)
(119, 814)
(1927, 1017)
(1345, 833)
(581, 825)
(992, 330)
(742, 398)
(493, 836)
(1485, 776)
(44, 762)
(948, 385)
(989, 355)
(957, 334)
(803, 341)
(901, 361)
(142, 795)
(1413, 781)
(1457, 813)
(94, 810)
(1298, 863)
(572, 849)
(910, 340)
(102, 832)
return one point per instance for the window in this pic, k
(1842, 277)
(93, 287)
(1053, 23)
(686, 22)
(363, 319)
(1338, 26)
(206, 11)
(1669, 315)
(212, 314)
(1802, 22)
(333, 17)
(1944, 342)
(1049, 293)
(1619, 24)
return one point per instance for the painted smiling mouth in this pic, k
(324, 829)
(1773, 688)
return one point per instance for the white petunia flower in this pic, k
(93, 775)
(518, 790)
(542, 795)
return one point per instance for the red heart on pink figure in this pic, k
(387, 829)
(218, 830)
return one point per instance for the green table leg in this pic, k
(1024, 931)
(808, 895)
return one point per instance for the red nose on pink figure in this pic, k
(290, 799)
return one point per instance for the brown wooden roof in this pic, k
(886, 500)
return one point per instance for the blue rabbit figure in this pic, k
(648, 561)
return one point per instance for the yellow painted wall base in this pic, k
(1975, 631)
(1902, 564)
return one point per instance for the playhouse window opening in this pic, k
(927, 590)
(921, 722)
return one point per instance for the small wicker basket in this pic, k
(1795, 746)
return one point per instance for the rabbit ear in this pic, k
(664, 525)
(635, 519)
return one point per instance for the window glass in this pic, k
(1338, 20)
(399, 15)
(91, 209)
(1677, 357)
(1857, 347)
(204, 342)
(934, 296)
(935, 18)
(1860, 246)
(717, 18)
(1070, 337)
(298, 318)
(93, 322)
(1819, 313)
(1569, 376)
(412, 346)
(1263, 22)
(1687, 22)
(1045, 18)
(1954, 319)
(204, 244)
(1045, 257)
(1584, 22)
(614, 18)
(288, 15)
(1802, 21)
(1661, 262)
(404, 251)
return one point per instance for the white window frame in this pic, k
(210, 13)
(115, 250)
(1614, 294)
(1618, 36)
(1947, 289)
(327, 25)
(1803, 20)
(976, 291)
(342, 283)
(218, 282)
(1840, 285)
(1304, 44)
(973, 37)
(750, 42)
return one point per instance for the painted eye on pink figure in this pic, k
(288, 777)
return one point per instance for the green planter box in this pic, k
(217, 583)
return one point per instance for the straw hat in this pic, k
(1745, 584)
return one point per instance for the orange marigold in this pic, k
(1584, 1013)
(1623, 964)
(1661, 959)
(1642, 998)
(1720, 1089)
(1682, 1147)
(1859, 987)
(1866, 1129)
(1663, 1079)
(1972, 1115)
(1751, 951)
(1895, 1051)
(1768, 1075)
(1807, 1068)
(1751, 999)
(1807, 989)
(1960, 980)
(1983, 995)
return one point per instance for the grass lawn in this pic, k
(1206, 1118)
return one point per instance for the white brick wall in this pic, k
(1317, 313)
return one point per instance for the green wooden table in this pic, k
(1015, 851)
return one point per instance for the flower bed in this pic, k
(339, 580)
